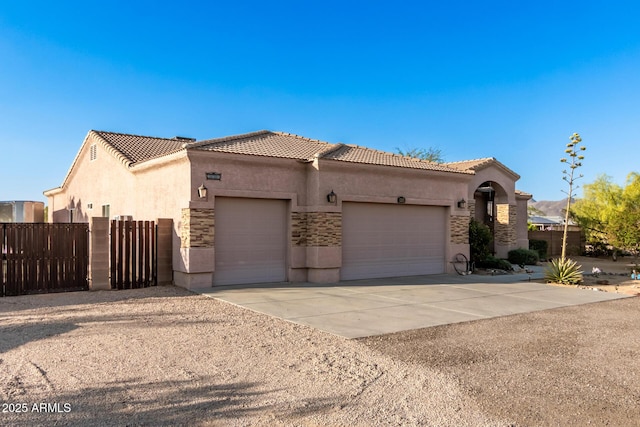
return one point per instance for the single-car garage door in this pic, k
(385, 240)
(250, 241)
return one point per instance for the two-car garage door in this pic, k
(386, 240)
(378, 240)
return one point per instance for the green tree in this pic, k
(430, 154)
(610, 213)
(597, 208)
(625, 226)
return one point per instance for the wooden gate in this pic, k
(133, 254)
(41, 258)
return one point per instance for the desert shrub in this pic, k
(479, 239)
(563, 270)
(540, 246)
(492, 262)
(523, 257)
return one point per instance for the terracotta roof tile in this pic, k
(479, 164)
(356, 154)
(471, 164)
(286, 145)
(137, 148)
(265, 143)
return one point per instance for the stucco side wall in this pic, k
(162, 188)
(103, 181)
(150, 190)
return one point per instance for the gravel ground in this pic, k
(164, 356)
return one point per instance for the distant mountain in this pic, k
(550, 208)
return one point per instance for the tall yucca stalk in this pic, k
(575, 161)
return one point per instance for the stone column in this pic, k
(316, 239)
(196, 248)
(505, 229)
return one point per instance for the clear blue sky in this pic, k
(505, 79)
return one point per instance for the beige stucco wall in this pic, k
(156, 189)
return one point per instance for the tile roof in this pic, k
(355, 154)
(287, 145)
(132, 149)
(265, 143)
(479, 164)
(137, 148)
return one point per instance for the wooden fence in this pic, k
(40, 258)
(575, 241)
(133, 254)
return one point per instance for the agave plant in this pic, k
(563, 270)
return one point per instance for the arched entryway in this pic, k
(490, 198)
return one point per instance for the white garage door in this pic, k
(384, 240)
(250, 241)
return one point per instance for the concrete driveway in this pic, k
(360, 308)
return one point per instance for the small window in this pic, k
(93, 152)
(106, 211)
(89, 205)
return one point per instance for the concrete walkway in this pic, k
(360, 308)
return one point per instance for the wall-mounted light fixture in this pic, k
(215, 176)
(401, 199)
(462, 203)
(202, 191)
(332, 197)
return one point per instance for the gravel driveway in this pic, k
(164, 356)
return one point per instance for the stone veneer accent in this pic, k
(505, 227)
(472, 208)
(197, 228)
(316, 228)
(459, 229)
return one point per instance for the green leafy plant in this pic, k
(479, 239)
(523, 257)
(564, 271)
